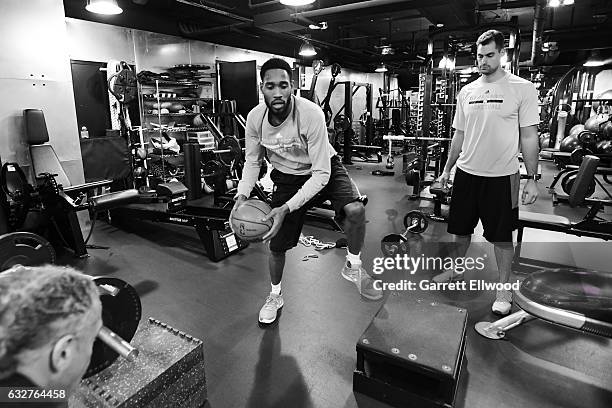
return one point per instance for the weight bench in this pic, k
(44, 158)
(578, 299)
(567, 177)
(590, 226)
(363, 152)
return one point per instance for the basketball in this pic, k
(246, 220)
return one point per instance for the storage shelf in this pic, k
(176, 129)
(172, 114)
(174, 84)
(181, 98)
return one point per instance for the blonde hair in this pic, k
(36, 304)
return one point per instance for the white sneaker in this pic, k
(503, 302)
(269, 310)
(363, 281)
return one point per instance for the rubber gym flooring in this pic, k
(307, 359)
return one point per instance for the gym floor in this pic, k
(307, 359)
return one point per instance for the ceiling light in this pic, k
(103, 7)
(554, 3)
(594, 60)
(387, 50)
(568, 2)
(307, 50)
(381, 68)
(296, 3)
(440, 25)
(321, 26)
(447, 63)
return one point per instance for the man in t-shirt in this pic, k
(292, 132)
(495, 115)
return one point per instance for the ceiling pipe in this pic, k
(538, 27)
(195, 29)
(347, 7)
(217, 11)
(264, 4)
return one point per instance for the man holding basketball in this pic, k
(306, 169)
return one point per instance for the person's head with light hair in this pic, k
(49, 319)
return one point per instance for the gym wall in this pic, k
(603, 82)
(90, 41)
(35, 73)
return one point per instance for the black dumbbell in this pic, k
(415, 223)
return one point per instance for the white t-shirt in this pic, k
(298, 146)
(490, 115)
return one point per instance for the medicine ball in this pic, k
(606, 132)
(593, 122)
(569, 143)
(576, 129)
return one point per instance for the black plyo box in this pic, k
(411, 354)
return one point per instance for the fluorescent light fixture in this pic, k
(296, 3)
(320, 26)
(307, 50)
(447, 63)
(387, 51)
(108, 7)
(381, 68)
(558, 3)
(594, 60)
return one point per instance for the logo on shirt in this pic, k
(280, 142)
(486, 100)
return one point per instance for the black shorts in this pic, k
(493, 200)
(340, 190)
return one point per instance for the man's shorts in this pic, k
(493, 200)
(340, 190)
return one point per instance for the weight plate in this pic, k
(235, 154)
(24, 248)
(587, 137)
(121, 314)
(392, 244)
(211, 171)
(341, 123)
(578, 154)
(568, 182)
(417, 221)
